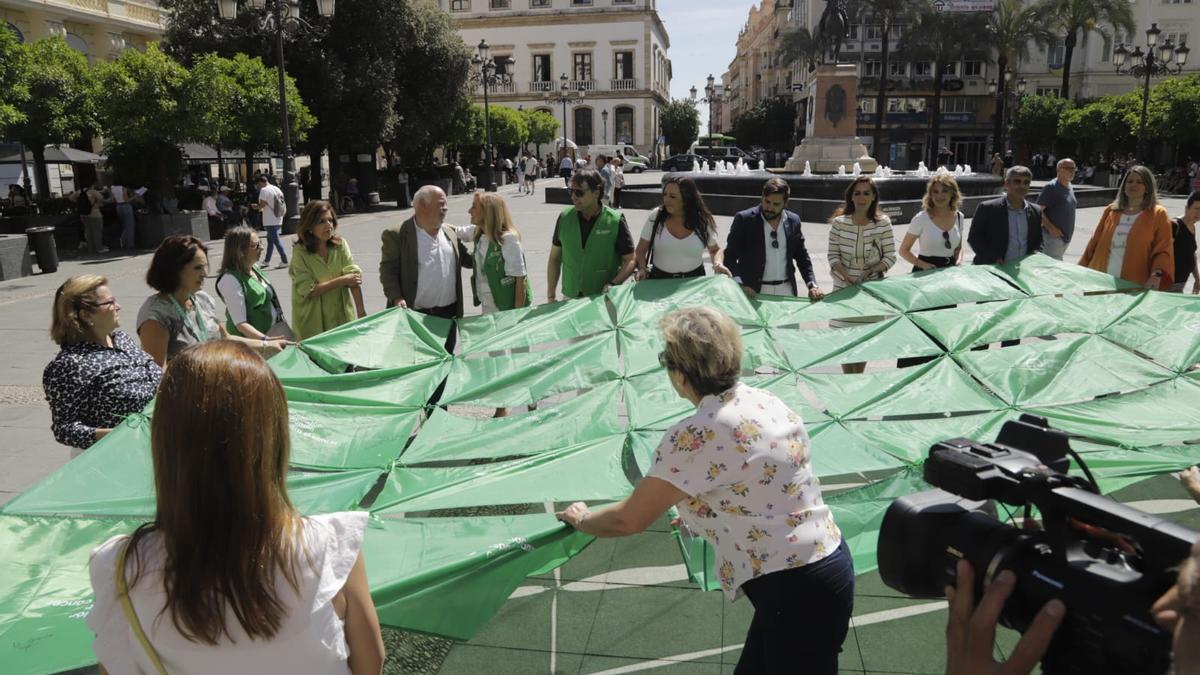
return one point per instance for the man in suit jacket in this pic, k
(422, 258)
(1008, 227)
(765, 246)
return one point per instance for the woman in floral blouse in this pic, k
(740, 471)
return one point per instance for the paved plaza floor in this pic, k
(622, 605)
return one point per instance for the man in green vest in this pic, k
(592, 249)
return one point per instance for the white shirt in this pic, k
(267, 197)
(531, 167)
(745, 461)
(1116, 254)
(310, 641)
(435, 271)
(930, 242)
(118, 194)
(775, 268)
(210, 206)
(514, 262)
(234, 295)
(676, 256)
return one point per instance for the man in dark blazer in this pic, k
(421, 259)
(765, 246)
(1008, 227)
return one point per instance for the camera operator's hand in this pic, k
(1190, 477)
(971, 631)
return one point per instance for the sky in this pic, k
(703, 40)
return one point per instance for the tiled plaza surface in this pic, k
(622, 605)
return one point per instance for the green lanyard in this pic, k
(198, 331)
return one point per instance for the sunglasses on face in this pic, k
(774, 238)
(575, 192)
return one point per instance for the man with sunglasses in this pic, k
(592, 249)
(1008, 227)
(765, 247)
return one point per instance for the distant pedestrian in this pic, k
(531, 173)
(100, 374)
(1058, 203)
(997, 164)
(1184, 232)
(93, 220)
(521, 172)
(566, 168)
(606, 175)
(618, 180)
(326, 284)
(123, 199)
(273, 208)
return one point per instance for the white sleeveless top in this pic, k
(310, 640)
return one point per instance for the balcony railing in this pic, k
(509, 88)
(583, 85)
(623, 85)
(541, 86)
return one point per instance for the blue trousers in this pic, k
(801, 617)
(273, 243)
(125, 214)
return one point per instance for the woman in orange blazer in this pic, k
(1133, 239)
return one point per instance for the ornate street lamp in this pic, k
(280, 16)
(999, 123)
(564, 96)
(604, 120)
(710, 97)
(1157, 61)
(490, 73)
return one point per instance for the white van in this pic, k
(635, 162)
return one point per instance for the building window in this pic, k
(854, 31)
(922, 69)
(951, 69)
(874, 32)
(623, 125)
(581, 3)
(866, 105)
(541, 68)
(972, 68)
(1175, 38)
(897, 68)
(1048, 91)
(623, 66)
(583, 126)
(958, 104)
(538, 4)
(499, 4)
(1058, 53)
(583, 66)
(872, 68)
(460, 5)
(622, 2)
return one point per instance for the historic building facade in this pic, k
(101, 29)
(613, 52)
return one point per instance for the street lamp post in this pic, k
(490, 74)
(604, 120)
(1156, 61)
(710, 97)
(281, 16)
(1000, 91)
(564, 96)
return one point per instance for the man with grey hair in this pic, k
(1058, 203)
(1008, 227)
(421, 260)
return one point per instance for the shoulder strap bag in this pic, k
(131, 615)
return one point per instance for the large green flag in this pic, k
(461, 502)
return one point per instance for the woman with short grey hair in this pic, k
(740, 472)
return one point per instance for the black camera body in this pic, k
(1106, 561)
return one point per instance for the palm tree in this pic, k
(1072, 17)
(1011, 27)
(801, 46)
(941, 38)
(885, 13)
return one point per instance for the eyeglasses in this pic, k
(575, 192)
(111, 302)
(946, 238)
(256, 244)
(774, 238)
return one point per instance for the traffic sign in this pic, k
(964, 5)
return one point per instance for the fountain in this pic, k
(807, 170)
(856, 171)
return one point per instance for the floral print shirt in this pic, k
(744, 460)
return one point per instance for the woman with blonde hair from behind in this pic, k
(501, 278)
(1133, 239)
(229, 577)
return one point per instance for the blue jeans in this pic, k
(273, 243)
(801, 616)
(125, 215)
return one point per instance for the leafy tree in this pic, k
(543, 128)
(62, 101)
(465, 131)
(1036, 119)
(941, 38)
(144, 116)
(508, 128)
(680, 123)
(885, 14)
(1111, 119)
(1174, 104)
(14, 89)
(768, 123)
(1011, 27)
(1073, 17)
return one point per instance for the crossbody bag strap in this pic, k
(659, 221)
(274, 296)
(131, 615)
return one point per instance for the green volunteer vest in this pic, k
(585, 269)
(503, 287)
(258, 302)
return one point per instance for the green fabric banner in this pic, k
(1117, 374)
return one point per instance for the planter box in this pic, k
(152, 228)
(15, 261)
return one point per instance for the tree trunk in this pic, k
(998, 116)
(314, 174)
(935, 116)
(881, 97)
(41, 179)
(1068, 52)
(249, 170)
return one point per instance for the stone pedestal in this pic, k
(832, 124)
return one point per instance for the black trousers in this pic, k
(801, 617)
(448, 312)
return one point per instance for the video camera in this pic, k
(1106, 561)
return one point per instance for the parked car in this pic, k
(684, 162)
(635, 162)
(727, 153)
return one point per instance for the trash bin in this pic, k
(41, 240)
(372, 200)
